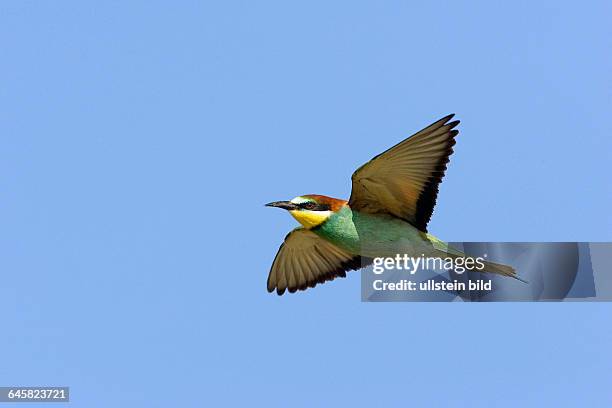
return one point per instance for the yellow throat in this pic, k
(310, 219)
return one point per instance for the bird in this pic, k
(392, 200)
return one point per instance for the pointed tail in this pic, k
(500, 269)
(442, 249)
(490, 267)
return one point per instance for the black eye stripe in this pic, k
(309, 205)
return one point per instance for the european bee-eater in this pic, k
(392, 199)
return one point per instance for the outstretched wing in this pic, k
(305, 259)
(403, 181)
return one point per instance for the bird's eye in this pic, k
(309, 206)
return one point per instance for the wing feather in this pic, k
(403, 181)
(305, 259)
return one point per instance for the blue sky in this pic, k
(140, 141)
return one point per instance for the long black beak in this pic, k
(285, 205)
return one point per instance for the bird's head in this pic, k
(310, 210)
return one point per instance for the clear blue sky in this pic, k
(140, 141)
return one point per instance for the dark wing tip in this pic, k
(273, 287)
(428, 198)
(353, 264)
(453, 124)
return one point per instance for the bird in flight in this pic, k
(392, 199)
